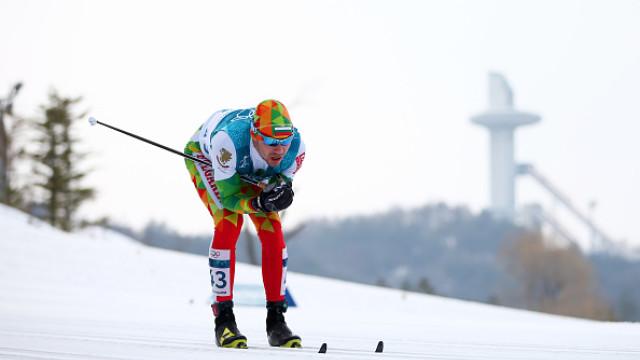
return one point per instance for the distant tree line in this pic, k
(449, 251)
(158, 234)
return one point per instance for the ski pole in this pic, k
(93, 121)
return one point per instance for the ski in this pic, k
(323, 348)
(379, 347)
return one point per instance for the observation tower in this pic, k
(501, 119)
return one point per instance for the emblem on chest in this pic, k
(223, 158)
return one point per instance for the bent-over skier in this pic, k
(255, 153)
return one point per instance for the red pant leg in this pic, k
(274, 254)
(222, 253)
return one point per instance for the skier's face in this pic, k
(273, 155)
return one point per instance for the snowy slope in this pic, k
(100, 295)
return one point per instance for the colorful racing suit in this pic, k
(226, 189)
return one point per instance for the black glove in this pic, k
(274, 200)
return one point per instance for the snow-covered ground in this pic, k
(100, 295)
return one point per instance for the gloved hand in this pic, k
(274, 200)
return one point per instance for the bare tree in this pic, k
(552, 279)
(15, 187)
(9, 153)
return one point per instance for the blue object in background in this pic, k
(253, 295)
(289, 298)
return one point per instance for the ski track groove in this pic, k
(143, 341)
(489, 347)
(524, 347)
(17, 353)
(439, 349)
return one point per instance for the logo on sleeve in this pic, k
(299, 161)
(224, 157)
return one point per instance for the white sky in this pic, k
(382, 92)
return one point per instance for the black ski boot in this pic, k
(278, 332)
(227, 333)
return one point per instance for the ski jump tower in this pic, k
(502, 119)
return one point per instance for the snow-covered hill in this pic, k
(100, 295)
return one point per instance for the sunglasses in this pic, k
(275, 142)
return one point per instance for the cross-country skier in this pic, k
(247, 147)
